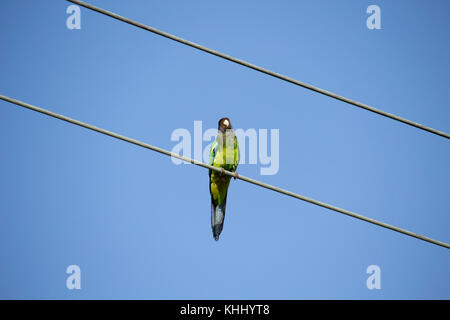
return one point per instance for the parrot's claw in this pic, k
(222, 171)
(236, 175)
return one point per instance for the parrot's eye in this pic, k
(226, 123)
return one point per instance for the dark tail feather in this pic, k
(217, 218)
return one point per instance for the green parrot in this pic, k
(224, 154)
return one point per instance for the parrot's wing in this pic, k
(236, 154)
(212, 153)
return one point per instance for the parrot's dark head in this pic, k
(224, 124)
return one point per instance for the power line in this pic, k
(260, 69)
(229, 173)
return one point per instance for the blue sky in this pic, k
(139, 226)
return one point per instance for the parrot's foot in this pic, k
(222, 170)
(236, 175)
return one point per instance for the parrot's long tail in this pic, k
(217, 218)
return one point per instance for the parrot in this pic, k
(224, 154)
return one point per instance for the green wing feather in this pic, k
(212, 153)
(236, 154)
